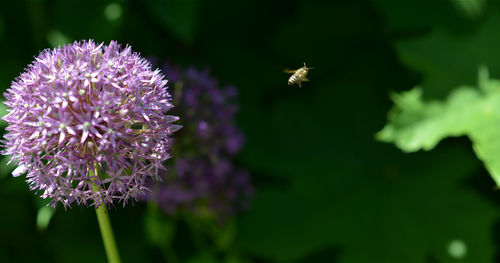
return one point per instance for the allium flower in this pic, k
(204, 178)
(87, 123)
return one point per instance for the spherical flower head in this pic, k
(205, 180)
(87, 124)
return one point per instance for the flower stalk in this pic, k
(107, 235)
(105, 225)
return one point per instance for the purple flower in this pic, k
(204, 178)
(87, 123)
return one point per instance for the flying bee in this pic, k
(298, 75)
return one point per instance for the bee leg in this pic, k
(299, 83)
(305, 79)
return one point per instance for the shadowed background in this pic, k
(326, 191)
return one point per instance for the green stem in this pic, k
(105, 226)
(107, 235)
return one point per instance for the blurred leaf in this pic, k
(3, 112)
(56, 38)
(444, 61)
(415, 124)
(225, 235)
(203, 258)
(113, 11)
(43, 217)
(470, 8)
(235, 259)
(447, 61)
(159, 230)
(326, 255)
(6, 167)
(178, 16)
(402, 18)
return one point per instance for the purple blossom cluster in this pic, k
(204, 178)
(87, 124)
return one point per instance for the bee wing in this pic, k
(287, 70)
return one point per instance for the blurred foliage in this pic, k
(326, 190)
(415, 124)
(448, 61)
(470, 8)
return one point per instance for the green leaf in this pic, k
(414, 124)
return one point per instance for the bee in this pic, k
(298, 75)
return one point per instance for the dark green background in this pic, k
(326, 190)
